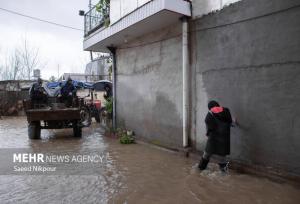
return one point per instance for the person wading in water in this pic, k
(218, 122)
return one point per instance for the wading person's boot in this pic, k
(203, 164)
(223, 167)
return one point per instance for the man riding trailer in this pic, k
(37, 93)
(68, 91)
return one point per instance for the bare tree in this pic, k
(30, 59)
(15, 62)
(2, 71)
(20, 63)
(11, 68)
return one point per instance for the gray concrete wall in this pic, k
(149, 86)
(203, 7)
(247, 56)
(11, 102)
(15, 85)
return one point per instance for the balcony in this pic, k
(147, 18)
(94, 19)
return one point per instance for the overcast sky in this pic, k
(57, 45)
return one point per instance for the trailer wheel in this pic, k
(34, 130)
(77, 131)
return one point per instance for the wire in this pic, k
(38, 19)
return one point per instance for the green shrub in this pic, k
(103, 7)
(109, 105)
(126, 139)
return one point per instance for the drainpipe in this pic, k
(91, 55)
(185, 81)
(114, 68)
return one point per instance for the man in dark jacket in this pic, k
(218, 122)
(67, 92)
(37, 93)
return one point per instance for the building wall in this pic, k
(11, 102)
(247, 57)
(15, 85)
(120, 8)
(202, 7)
(149, 87)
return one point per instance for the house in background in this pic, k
(172, 56)
(99, 68)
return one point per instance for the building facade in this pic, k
(172, 57)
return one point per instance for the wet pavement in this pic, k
(134, 173)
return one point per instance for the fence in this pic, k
(11, 102)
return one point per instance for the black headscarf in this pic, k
(212, 104)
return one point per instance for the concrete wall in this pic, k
(202, 7)
(11, 102)
(15, 85)
(247, 56)
(149, 87)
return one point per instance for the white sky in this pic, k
(57, 45)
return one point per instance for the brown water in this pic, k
(134, 174)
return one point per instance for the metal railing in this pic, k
(94, 20)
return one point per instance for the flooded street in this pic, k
(133, 174)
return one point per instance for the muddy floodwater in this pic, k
(134, 174)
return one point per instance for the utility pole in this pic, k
(57, 71)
